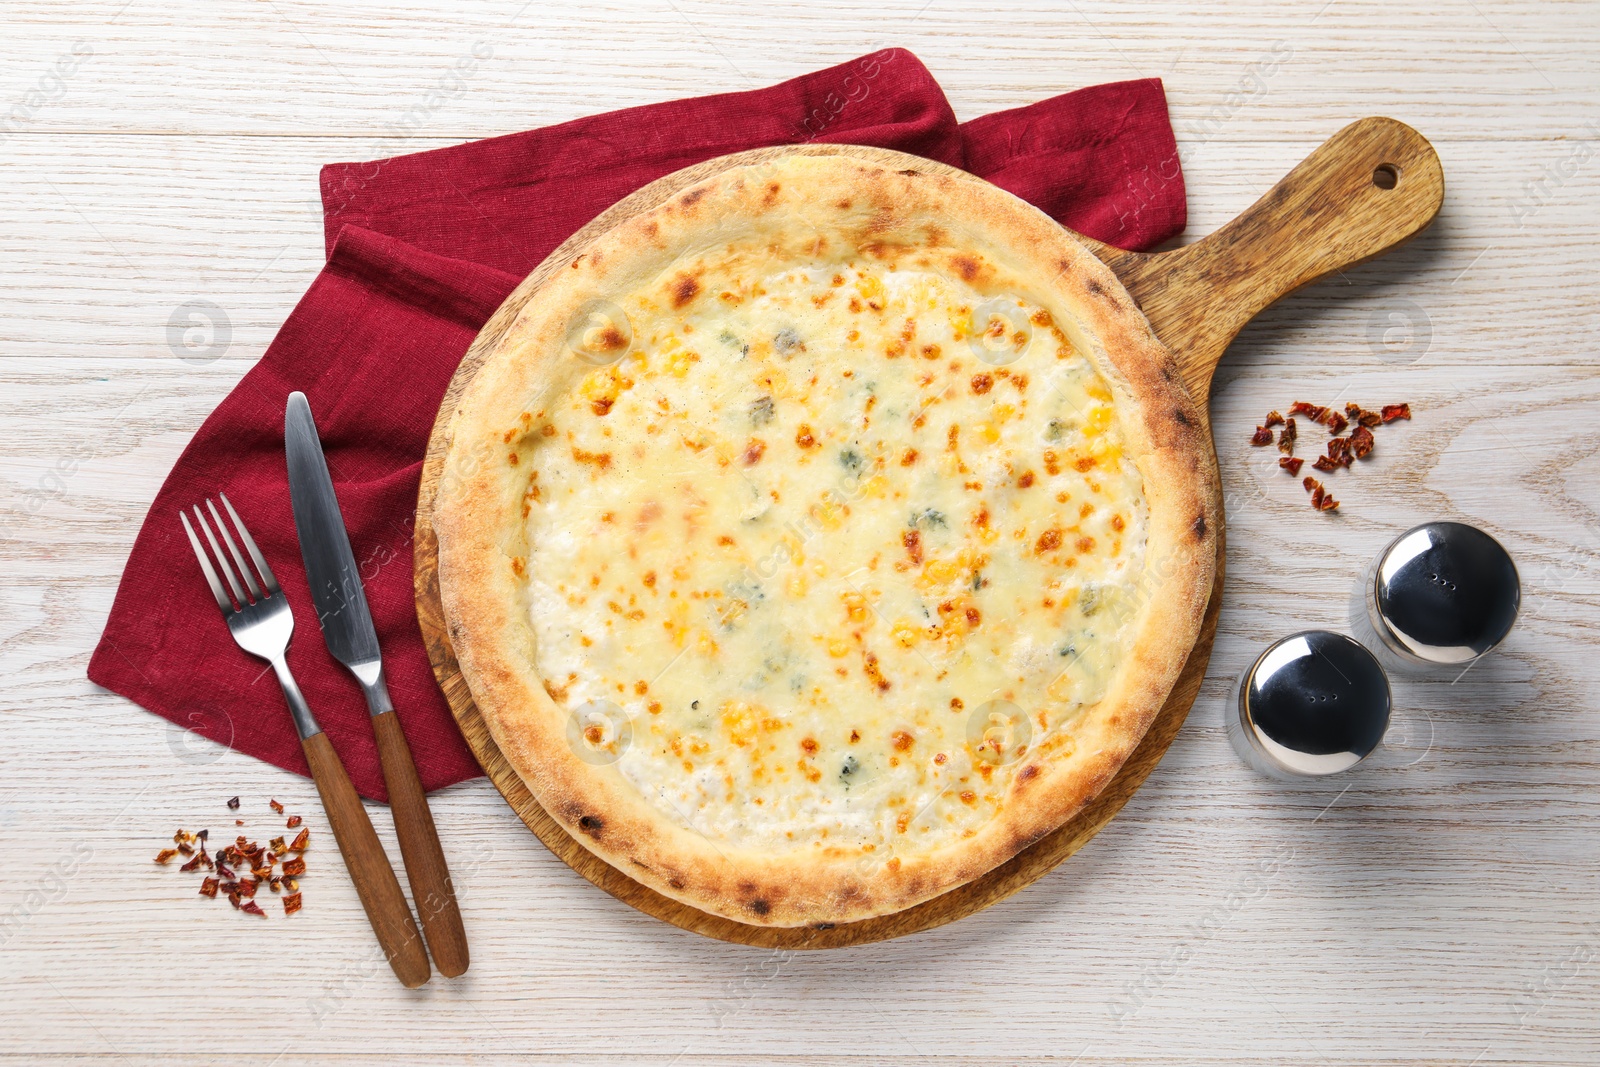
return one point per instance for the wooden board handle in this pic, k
(369, 868)
(426, 868)
(1373, 185)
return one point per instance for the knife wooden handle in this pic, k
(431, 889)
(369, 868)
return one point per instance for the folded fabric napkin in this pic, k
(421, 250)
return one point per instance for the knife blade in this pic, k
(347, 627)
(331, 569)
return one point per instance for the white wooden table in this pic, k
(1441, 905)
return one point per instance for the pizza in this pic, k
(818, 538)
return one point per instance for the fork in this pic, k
(259, 618)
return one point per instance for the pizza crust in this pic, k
(482, 539)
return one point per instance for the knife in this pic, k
(347, 628)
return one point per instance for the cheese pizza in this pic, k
(822, 536)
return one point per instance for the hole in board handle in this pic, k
(1386, 176)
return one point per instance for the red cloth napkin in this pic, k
(421, 250)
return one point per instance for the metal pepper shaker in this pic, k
(1314, 703)
(1441, 595)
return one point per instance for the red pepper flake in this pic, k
(301, 840)
(164, 857)
(238, 822)
(291, 903)
(241, 843)
(208, 888)
(1286, 438)
(1328, 503)
(277, 846)
(1314, 412)
(1361, 442)
(224, 870)
(1337, 422)
(1262, 436)
(291, 884)
(1325, 464)
(294, 820)
(276, 806)
(247, 887)
(1339, 450)
(1274, 419)
(253, 908)
(192, 865)
(1361, 415)
(1290, 464)
(294, 868)
(233, 804)
(261, 873)
(186, 848)
(275, 884)
(1396, 411)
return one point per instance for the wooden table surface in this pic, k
(1442, 905)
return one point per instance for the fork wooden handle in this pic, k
(369, 868)
(426, 869)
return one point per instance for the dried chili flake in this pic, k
(186, 848)
(261, 873)
(1314, 412)
(1336, 422)
(208, 888)
(233, 804)
(294, 820)
(1262, 436)
(1339, 450)
(192, 865)
(1391, 412)
(291, 903)
(224, 870)
(164, 857)
(301, 840)
(294, 868)
(1360, 414)
(241, 843)
(1290, 463)
(277, 846)
(1325, 464)
(275, 806)
(1310, 483)
(1286, 438)
(1274, 418)
(1361, 442)
(1328, 503)
(183, 837)
(291, 884)
(275, 883)
(247, 887)
(253, 908)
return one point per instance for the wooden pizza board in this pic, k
(1372, 186)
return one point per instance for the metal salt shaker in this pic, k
(1314, 703)
(1441, 595)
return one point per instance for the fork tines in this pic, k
(249, 592)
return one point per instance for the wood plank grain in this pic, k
(1440, 911)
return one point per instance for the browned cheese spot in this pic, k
(684, 290)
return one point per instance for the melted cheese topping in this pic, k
(829, 550)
